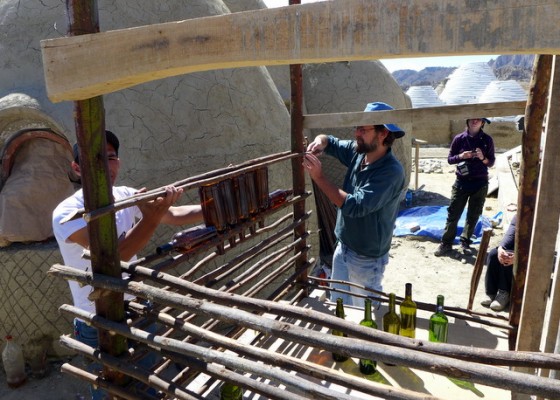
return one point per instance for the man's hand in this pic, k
(317, 146)
(313, 166)
(155, 210)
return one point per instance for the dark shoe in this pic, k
(466, 248)
(442, 249)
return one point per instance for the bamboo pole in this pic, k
(293, 382)
(94, 380)
(186, 184)
(254, 250)
(351, 346)
(121, 365)
(209, 303)
(288, 362)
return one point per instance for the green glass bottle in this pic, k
(339, 314)
(408, 314)
(368, 367)
(391, 321)
(438, 323)
(230, 391)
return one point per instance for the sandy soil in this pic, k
(412, 260)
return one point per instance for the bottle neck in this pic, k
(439, 307)
(408, 291)
(392, 302)
(367, 310)
(339, 308)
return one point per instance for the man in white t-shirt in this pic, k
(135, 226)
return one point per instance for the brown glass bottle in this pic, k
(278, 197)
(230, 201)
(251, 188)
(242, 201)
(212, 207)
(188, 239)
(261, 176)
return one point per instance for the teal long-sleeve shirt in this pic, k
(366, 220)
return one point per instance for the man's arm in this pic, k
(153, 213)
(183, 215)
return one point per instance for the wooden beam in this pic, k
(311, 33)
(545, 230)
(528, 184)
(416, 116)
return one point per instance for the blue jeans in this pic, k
(353, 267)
(88, 335)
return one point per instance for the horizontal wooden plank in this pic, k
(415, 116)
(85, 66)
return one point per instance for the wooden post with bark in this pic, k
(528, 185)
(97, 188)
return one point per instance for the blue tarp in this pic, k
(430, 221)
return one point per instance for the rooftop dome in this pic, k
(497, 91)
(466, 83)
(423, 96)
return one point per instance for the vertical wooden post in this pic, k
(297, 143)
(528, 183)
(547, 213)
(90, 134)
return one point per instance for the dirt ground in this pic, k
(411, 260)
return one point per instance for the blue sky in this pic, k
(416, 64)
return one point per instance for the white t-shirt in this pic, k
(72, 252)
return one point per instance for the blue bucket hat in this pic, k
(379, 106)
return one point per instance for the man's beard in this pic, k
(362, 148)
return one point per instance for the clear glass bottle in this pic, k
(14, 364)
(438, 323)
(230, 391)
(368, 367)
(340, 314)
(408, 314)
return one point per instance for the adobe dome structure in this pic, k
(169, 130)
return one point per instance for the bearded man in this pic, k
(367, 204)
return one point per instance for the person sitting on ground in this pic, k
(499, 271)
(473, 152)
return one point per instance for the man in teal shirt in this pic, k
(367, 203)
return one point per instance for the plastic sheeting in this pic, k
(430, 221)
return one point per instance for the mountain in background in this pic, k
(516, 67)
